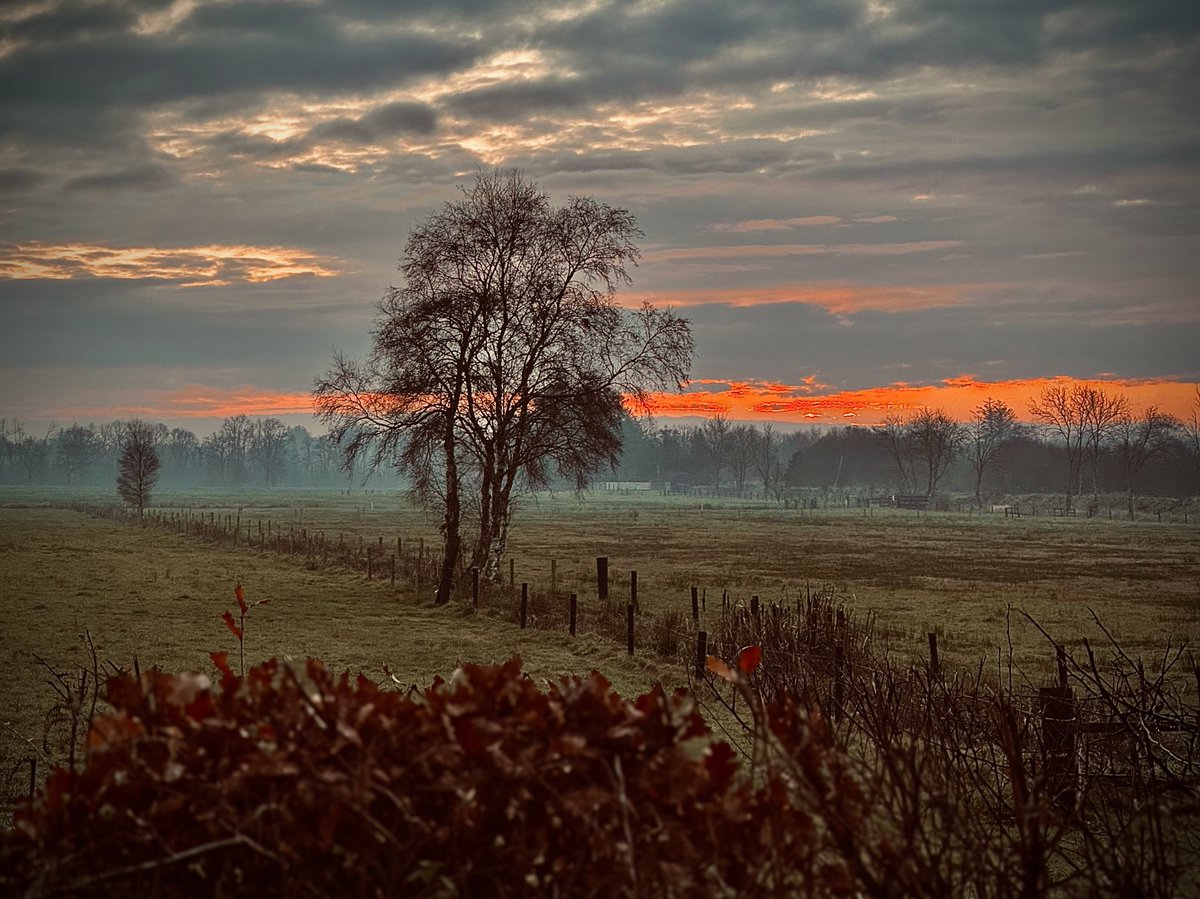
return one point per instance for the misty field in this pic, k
(159, 596)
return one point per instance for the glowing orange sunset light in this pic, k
(809, 403)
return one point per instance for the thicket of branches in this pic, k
(902, 781)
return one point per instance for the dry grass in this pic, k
(160, 595)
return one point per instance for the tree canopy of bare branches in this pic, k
(992, 426)
(504, 359)
(923, 445)
(1083, 418)
(1140, 438)
(138, 465)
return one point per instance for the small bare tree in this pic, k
(138, 465)
(766, 460)
(716, 438)
(1142, 438)
(1062, 412)
(992, 426)
(1102, 413)
(923, 445)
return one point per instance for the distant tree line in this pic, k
(242, 452)
(1082, 440)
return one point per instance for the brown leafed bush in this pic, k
(297, 784)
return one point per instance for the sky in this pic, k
(862, 207)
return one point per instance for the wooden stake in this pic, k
(573, 608)
(701, 653)
(602, 576)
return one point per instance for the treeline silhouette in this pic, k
(242, 452)
(727, 458)
(749, 460)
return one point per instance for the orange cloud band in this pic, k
(838, 298)
(209, 266)
(808, 402)
(813, 403)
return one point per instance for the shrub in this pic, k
(281, 783)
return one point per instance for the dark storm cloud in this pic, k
(142, 177)
(1051, 145)
(130, 71)
(381, 122)
(69, 21)
(930, 345)
(16, 180)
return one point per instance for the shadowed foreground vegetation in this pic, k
(157, 595)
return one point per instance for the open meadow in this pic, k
(159, 595)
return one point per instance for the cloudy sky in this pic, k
(860, 205)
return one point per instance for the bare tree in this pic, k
(716, 438)
(268, 448)
(766, 460)
(898, 439)
(923, 445)
(937, 440)
(743, 441)
(991, 427)
(1063, 413)
(1102, 413)
(78, 448)
(1142, 438)
(504, 359)
(138, 465)
(1191, 435)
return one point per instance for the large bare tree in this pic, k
(504, 359)
(138, 464)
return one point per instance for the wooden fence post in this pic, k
(701, 653)
(695, 605)
(572, 608)
(754, 609)
(393, 569)
(602, 576)
(1058, 742)
(633, 597)
(933, 653)
(524, 603)
(629, 628)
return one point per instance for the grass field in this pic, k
(159, 596)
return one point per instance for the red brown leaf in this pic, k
(231, 624)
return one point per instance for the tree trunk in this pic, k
(451, 539)
(979, 487)
(1131, 502)
(497, 543)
